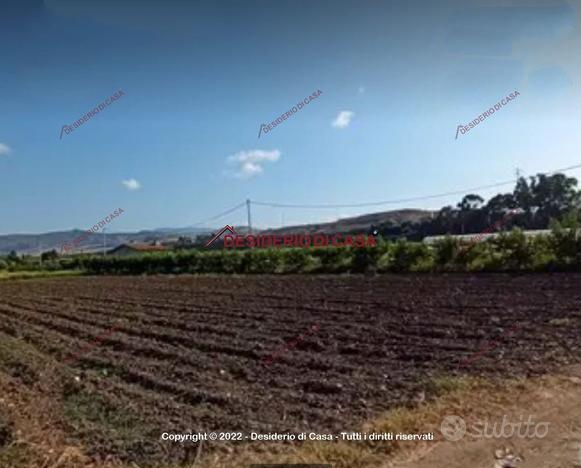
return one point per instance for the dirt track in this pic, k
(187, 354)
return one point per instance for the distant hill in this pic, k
(33, 244)
(357, 224)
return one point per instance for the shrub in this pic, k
(424, 264)
(263, 261)
(449, 253)
(186, 262)
(363, 259)
(210, 262)
(294, 261)
(405, 256)
(384, 262)
(515, 250)
(543, 258)
(233, 261)
(488, 261)
(446, 250)
(511, 251)
(565, 245)
(331, 259)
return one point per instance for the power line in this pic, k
(248, 202)
(402, 200)
(562, 170)
(385, 202)
(224, 213)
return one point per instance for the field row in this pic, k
(188, 353)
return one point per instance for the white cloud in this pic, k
(343, 119)
(131, 184)
(4, 149)
(249, 163)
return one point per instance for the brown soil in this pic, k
(188, 354)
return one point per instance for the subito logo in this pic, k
(453, 428)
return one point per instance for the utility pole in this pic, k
(249, 218)
(104, 242)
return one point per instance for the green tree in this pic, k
(499, 205)
(13, 257)
(522, 194)
(469, 207)
(49, 255)
(552, 197)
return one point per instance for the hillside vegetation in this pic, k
(559, 251)
(543, 201)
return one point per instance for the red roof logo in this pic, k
(224, 229)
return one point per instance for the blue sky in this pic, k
(396, 79)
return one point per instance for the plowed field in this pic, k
(185, 354)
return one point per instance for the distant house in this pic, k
(183, 242)
(136, 248)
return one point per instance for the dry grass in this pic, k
(22, 275)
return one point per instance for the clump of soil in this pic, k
(6, 429)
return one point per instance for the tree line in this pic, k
(536, 202)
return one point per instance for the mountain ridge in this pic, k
(34, 244)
